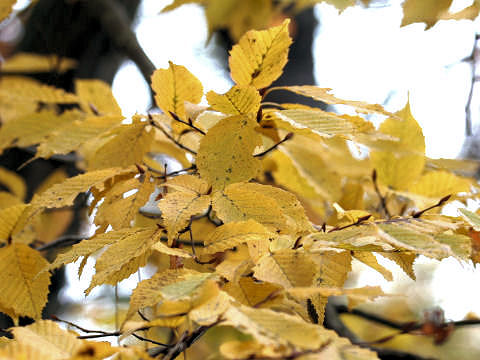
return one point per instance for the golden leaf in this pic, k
(174, 86)
(259, 57)
(23, 289)
(178, 208)
(127, 254)
(249, 292)
(63, 194)
(323, 94)
(6, 8)
(13, 182)
(370, 260)
(76, 135)
(239, 100)
(230, 235)
(48, 340)
(7, 199)
(272, 328)
(437, 184)
(122, 146)
(287, 268)
(395, 170)
(427, 11)
(226, 156)
(472, 218)
(33, 128)
(19, 88)
(32, 63)
(169, 285)
(404, 259)
(8, 219)
(98, 94)
(119, 210)
(239, 202)
(188, 184)
(235, 264)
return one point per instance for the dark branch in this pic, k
(440, 203)
(189, 124)
(170, 137)
(358, 222)
(287, 137)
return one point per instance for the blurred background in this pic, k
(362, 53)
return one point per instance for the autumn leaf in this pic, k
(427, 11)
(31, 63)
(6, 8)
(13, 182)
(239, 100)
(226, 156)
(174, 86)
(259, 57)
(8, 220)
(399, 171)
(23, 291)
(96, 97)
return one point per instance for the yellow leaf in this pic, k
(23, 289)
(287, 268)
(177, 3)
(226, 156)
(120, 210)
(48, 340)
(171, 285)
(209, 311)
(7, 199)
(273, 328)
(240, 202)
(370, 260)
(122, 146)
(427, 11)
(323, 94)
(249, 292)
(56, 177)
(99, 94)
(174, 86)
(259, 57)
(188, 184)
(8, 219)
(235, 264)
(230, 235)
(239, 100)
(127, 254)
(6, 9)
(32, 63)
(13, 182)
(76, 135)
(19, 88)
(472, 218)
(178, 208)
(395, 170)
(33, 128)
(405, 260)
(164, 249)
(437, 184)
(60, 195)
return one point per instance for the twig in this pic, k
(358, 222)
(170, 137)
(190, 124)
(381, 197)
(263, 153)
(149, 340)
(440, 203)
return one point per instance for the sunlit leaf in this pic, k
(13, 182)
(226, 156)
(239, 100)
(259, 57)
(32, 63)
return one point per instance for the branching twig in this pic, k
(190, 124)
(440, 203)
(170, 137)
(358, 222)
(468, 113)
(263, 153)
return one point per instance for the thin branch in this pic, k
(383, 202)
(98, 336)
(358, 222)
(170, 137)
(189, 124)
(149, 340)
(263, 153)
(114, 21)
(440, 203)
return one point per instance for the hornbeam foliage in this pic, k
(255, 233)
